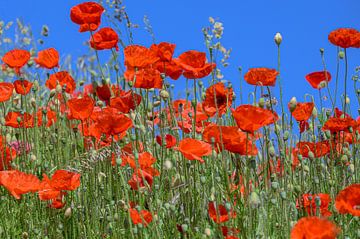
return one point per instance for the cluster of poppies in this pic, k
(103, 124)
(49, 189)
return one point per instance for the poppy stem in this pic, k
(345, 86)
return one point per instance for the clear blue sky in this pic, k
(249, 28)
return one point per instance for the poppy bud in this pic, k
(272, 151)
(81, 83)
(261, 102)
(351, 168)
(45, 31)
(292, 104)
(322, 50)
(341, 55)
(344, 158)
(254, 200)
(67, 213)
(164, 94)
(157, 103)
(286, 135)
(278, 38)
(283, 195)
(168, 164)
(184, 227)
(207, 232)
(33, 102)
(58, 88)
(25, 235)
(347, 100)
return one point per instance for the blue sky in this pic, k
(249, 28)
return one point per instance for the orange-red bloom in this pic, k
(48, 58)
(18, 183)
(16, 59)
(345, 37)
(105, 38)
(309, 203)
(348, 200)
(140, 179)
(163, 50)
(145, 78)
(6, 91)
(19, 120)
(230, 138)
(110, 121)
(219, 214)
(22, 87)
(126, 101)
(194, 149)
(139, 56)
(87, 15)
(261, 76)
(170, 141)
(62, 78)
(316, 78)
(319, 149)
(217, 99)
(303, 111)
(194, 64)
(339, 124)
(143, 217)
(314, 227)
(250, 118)
(81, 108)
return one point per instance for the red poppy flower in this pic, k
(18, 183)
(19, 120)
(62, 78)
(261, 76)
(103, 92)
(163, 50)
(140, 179)
(145, 78)
(316, 78)
(7, 154)
(139, 56)
(309, 203)
(230, 138)
(339, 124)
(344, 37)
(129, 148)
(228, 232)
(143, 217)
(314, 227)
(348, 200)
(81, 108)
(170, 69)
(87, 15)
(302, 111)
(110, 121)
(48, 58)
(319, 149)
(22, 87)
(105, 38)
(126, 101)
(6, 91)
(16, 59)
(194, 149)
(65, 180)
(145, 161)
(217, 99)
(251, 118)
(49, 114)
(219, 214)
(194, 64)
(170, 141)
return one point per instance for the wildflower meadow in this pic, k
(106, 148)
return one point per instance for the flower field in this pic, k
(94, 148)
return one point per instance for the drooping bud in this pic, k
(292, 104)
